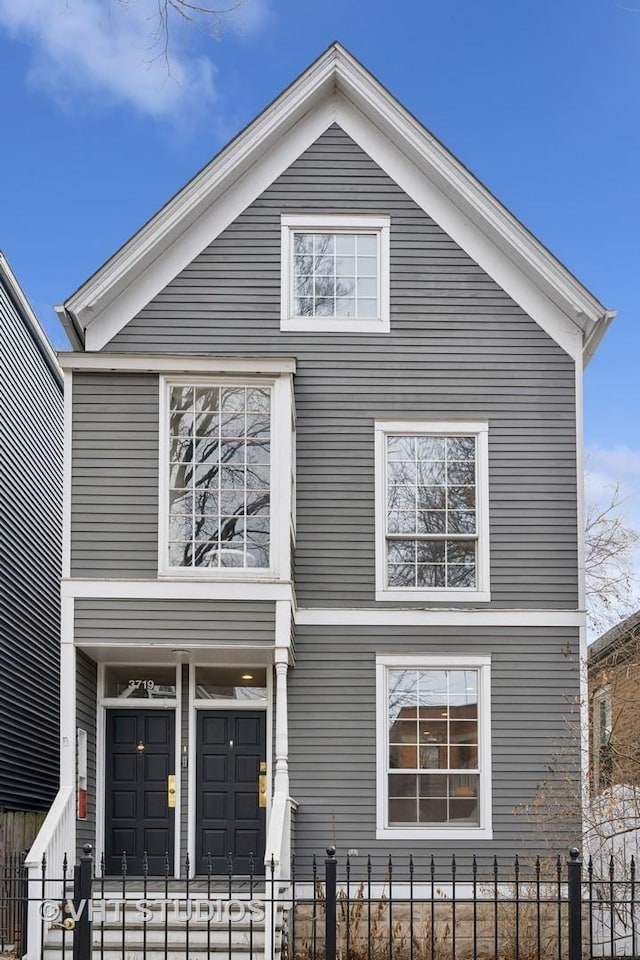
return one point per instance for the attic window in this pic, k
(335, 274)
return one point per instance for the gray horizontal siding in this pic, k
(192, 622)
(86, 706)
(332, 733)
(459, 348)
(30, 556)
(114, 517)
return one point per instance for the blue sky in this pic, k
(539, 99)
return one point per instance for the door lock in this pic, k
(262, 785)
(171, 790)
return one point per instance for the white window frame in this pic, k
(382, 428)
(601, 696)
(482, 664)
(280, 482)
(334, 223)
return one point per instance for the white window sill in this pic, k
(333, 325)
(434, 833)
(443, 596)
(230, 575)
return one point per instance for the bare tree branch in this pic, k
(610, 542)
(210, 15)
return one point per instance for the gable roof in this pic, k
(615, 639)
(336, 88)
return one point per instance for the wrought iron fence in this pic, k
(352, 908)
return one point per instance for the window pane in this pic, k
(258, 400)
(140, 682)
(345, 307)
(302, 243)
(402, 551)
(401, 448)
(402, 785)
(401, 575)
(433, 811)
(367, 288)
(433, 721)
(403, 729)
(324, 307)
(233, 399)
(461, 576)
(367, 244)
(402, 811)
(366, 307)
(401, 472)
(345, 244)
(431, 576)
(346, 267)
(207, 399)
(335, 275)
(461, 521)
(231, 683)
(401, 521)
(403, 757)
(345, 287)
(227, 466)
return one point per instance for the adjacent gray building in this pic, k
(322, 572)
(30, 549)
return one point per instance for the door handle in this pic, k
(262, 784)
(171, 790)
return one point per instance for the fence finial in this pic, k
(574, 853)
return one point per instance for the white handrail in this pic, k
(277, 864)
(44, 863)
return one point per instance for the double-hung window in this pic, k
(434, 746)
(335, 273)
(432, 527)
(218, 478)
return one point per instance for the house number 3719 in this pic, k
(142, 684)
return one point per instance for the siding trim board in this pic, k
(336, 88)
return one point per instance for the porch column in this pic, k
(281, 780)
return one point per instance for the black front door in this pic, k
(140, 757)
(229, 820)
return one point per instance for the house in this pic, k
(322, 577)
(30, 549)
(614, 681)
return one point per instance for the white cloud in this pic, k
(89, 48)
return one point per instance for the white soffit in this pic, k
(336, 88)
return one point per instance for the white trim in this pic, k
(580, 488)
(336, 89)
(178, 589)
(67, 468)
(470, 232)
(29, 318)
(455, 662)
(176, 364)
(280, 485)
(479, 429)
(325, 616)
(181, 242)
(68, 703)
(101, 760)
(335, 223)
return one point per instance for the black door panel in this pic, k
(138, 817)
(230, 749)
